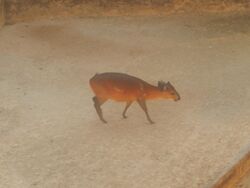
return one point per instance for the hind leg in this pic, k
(97, 104)
(126, 108)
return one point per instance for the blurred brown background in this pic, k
(30, 9)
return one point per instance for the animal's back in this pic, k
(117, 86)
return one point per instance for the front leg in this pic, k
(143, 105)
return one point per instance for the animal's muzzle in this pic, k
(177, 98)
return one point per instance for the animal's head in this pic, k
(168, 90)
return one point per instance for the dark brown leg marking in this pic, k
(97, 104)
(143, 105)
(126, 108)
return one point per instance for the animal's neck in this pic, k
(152, 92)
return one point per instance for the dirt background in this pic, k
(50, 135)
(27, 10)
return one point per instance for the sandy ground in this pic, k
(50, 135)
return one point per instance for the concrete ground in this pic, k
(50, 135)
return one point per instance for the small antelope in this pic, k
(123, 87)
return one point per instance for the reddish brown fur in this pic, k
(123, 87)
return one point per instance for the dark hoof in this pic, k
(104, 121)
(125, 117)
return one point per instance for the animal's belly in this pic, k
(120, 96)
(117, 92)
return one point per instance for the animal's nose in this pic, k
(177, 98)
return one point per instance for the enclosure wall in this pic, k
(24, 10)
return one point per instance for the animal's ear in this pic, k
(161, 85)
(169, 84)
(165, 87)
